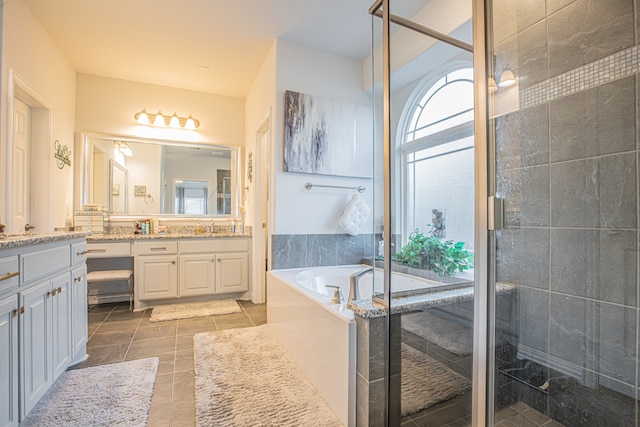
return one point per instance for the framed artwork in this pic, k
(327, 137)
(139, 190)
(115, 190)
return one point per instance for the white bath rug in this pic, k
(195, 309)
(118, 394)
(447, 334)
(244, 377)
(426, 382)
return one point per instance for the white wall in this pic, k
(313, 72)
(32, 54)
(259, 105)
(107, 106)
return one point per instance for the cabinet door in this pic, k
(61, 323)
(35, 337)
(79, 320)
(197, 274)
(9, 361)
(231, 272)
(157, 277)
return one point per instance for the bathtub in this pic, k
(320, 336)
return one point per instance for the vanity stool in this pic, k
(113, 276)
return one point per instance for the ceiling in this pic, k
(213, 46)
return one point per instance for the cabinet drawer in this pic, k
(38, 264)
(108, 250)
(157, 248)
(78, 253)
(214, 245)
(9, 273)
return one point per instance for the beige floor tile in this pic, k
(159, 415)
(183, 413)
(184, 364)
(151, 348)
(155, 332)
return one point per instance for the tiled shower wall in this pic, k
(567, 162)
(316, 250)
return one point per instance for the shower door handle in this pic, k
(495, 213)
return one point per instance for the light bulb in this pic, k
(159, 120)
(175, 121)
(190, 124)
(142, 117)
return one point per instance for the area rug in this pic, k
(447, 334)
(426, 382)
(244, 377)
(195, 309)
(118, 394)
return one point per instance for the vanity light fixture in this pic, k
(123, 148)
(507, 79)
(161, 120)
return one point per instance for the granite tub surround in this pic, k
(317, 250)
(368, 309)
(20, 240)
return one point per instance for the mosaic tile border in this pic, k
(616, 66)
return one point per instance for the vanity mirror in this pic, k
(140, 177)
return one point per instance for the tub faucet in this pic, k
(354, 292)
(337, 295)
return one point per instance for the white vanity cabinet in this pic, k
(157, 269)
(38, 316)
(80, 320)
(9, 361)
(173, 269)
(232, 272)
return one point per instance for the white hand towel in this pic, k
(355, 215)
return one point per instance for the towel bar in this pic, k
(309, 186)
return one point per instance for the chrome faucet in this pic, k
(337, 295)
(28, 227)
(354, 292)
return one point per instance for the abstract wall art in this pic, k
(327, 137)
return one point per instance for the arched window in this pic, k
(437, 157)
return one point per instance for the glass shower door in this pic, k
(563, 122)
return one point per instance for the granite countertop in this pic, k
(369, 309)
(24, 239)
(116, 237)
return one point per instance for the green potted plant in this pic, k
(426, 252)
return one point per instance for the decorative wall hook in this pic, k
(63, 154)
(250, 167)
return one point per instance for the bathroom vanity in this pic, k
(43, 316)
(175, 268)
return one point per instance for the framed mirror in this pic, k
(142, 177)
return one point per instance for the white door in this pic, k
(232, 273)
(61, 323)
(9, 362)
(262, 206)
(157, 277)
(21, 158)
(35, 334)
(79, 308)
(197, 274)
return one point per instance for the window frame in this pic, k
(404, 149)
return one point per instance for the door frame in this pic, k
(40, 175)
(262, 167)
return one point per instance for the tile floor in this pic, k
(117, 335)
